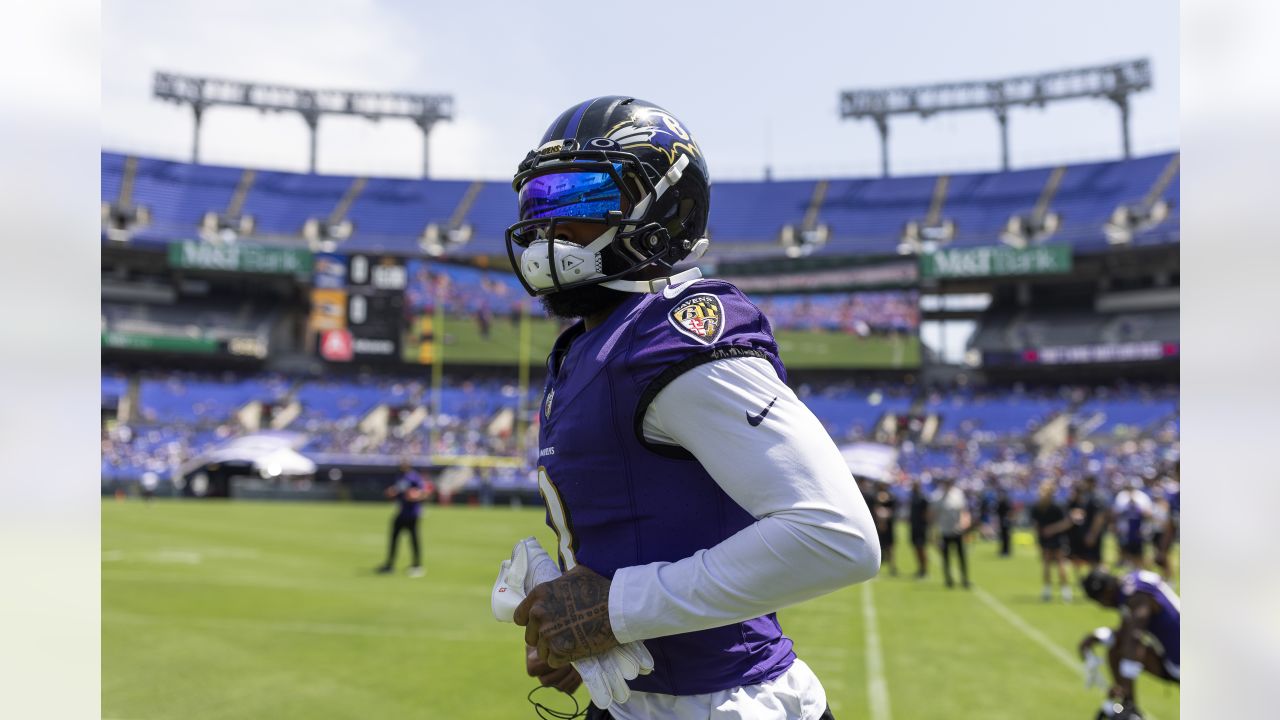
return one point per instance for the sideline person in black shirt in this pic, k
(1088, 521)
(919, 520)
(1004, 512)
(1052, 526)
(884, 507)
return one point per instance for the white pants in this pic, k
(794, 695)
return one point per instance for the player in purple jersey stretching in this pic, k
(1148, 638)
(692, 494)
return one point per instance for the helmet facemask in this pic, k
(635, 211)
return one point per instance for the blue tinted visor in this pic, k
(570, 194)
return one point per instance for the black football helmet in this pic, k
(629, 167)
(1099, 584)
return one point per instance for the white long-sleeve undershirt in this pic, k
(813, 532)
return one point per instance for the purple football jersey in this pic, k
(616, 500)
(409, 508)
(1166, 625)
(1131, 523)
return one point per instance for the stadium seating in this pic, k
(390, 215)
(114, 387)
(179, 194)
(982, 434)
(868, 216)
(756, 212)
(863, 215)
(112, 175)
(193, 399)
(334, 400)
(281, 203)
(850, 413)
(996, 414)
(493, 210)
(1130, 412)
(980, 205)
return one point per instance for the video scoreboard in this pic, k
(358, 307)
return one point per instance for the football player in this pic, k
(691, 492)
(409, 493)
(1148, 637)
(1131, 512)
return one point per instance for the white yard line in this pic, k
(1076, 667)
(877, 688)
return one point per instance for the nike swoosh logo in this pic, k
(755, 420)
(671, 291)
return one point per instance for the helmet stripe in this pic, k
(597, 116)
(572, 129)
(557, 129)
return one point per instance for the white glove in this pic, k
(1093, 671)
(606, 674)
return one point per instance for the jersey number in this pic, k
(559, 519)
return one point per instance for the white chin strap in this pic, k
(655, 285)
(577, 263)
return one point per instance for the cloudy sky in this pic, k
(756, 81)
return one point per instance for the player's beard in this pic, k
(582, 301)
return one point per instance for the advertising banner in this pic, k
(196, 255)
(996, 261)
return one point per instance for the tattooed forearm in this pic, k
(568, 618)
(578, 617)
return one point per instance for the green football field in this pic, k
(270, 610)
(463, 343)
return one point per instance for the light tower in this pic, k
(1115, 82)
(202, 93)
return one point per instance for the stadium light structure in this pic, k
(1115, 82)
(202, 93)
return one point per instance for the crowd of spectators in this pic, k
(478, 417)
(480, 293)
(464, 290)
(854, 313)
(1016, 468)
(129, 450)
(180, 415)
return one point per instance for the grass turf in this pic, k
(271, 610)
